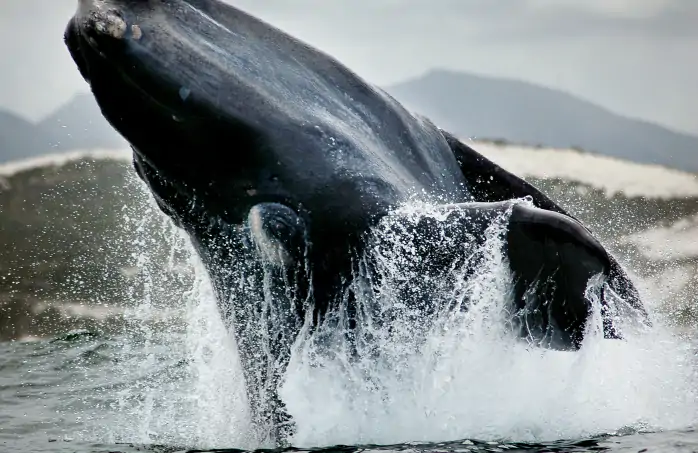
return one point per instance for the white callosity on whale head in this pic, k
(610, 174)
(108, 22)
(136, 32)
(114, 25)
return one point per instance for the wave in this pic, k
(610, 174)
(61, 159)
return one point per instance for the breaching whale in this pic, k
(267, 151)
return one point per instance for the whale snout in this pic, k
(125, 51)
(109, 24)
(101, 23)
(95, 32)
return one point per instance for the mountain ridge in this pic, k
(77, 124)
(466, 104)
(489, 108)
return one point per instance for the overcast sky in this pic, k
(635, 57)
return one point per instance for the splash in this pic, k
(463, 373)
(407, 373)
(174, 376)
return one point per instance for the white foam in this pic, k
(468, 378)
(601, 172)
(172, 385)
(665, 287)
(221, 410)
(676, 242)
(60, 159)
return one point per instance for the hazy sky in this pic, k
(636, 57)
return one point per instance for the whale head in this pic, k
(224, 111)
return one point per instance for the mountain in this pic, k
(490, 108)
(466, 105)
(18, 135)
(78, 124)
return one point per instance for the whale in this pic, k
(278, 161)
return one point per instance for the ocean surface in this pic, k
(153, 368)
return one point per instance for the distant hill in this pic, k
(79, 230)
(472, 106)
(84, 218)
(79, 124)
(18, 135)
(76, 125)
(467, 105)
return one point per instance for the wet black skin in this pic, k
(238, 127)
